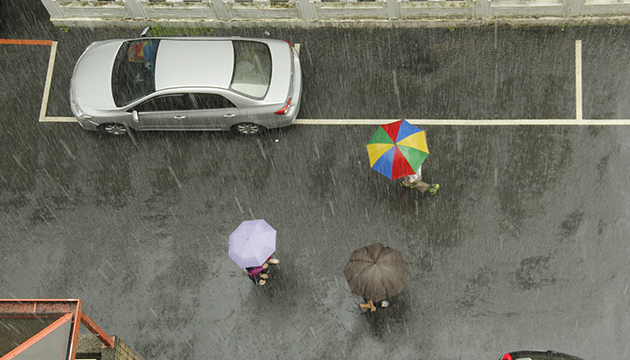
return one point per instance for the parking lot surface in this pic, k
(524, 246)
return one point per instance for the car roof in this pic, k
(194, 62)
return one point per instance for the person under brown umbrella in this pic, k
(371, 306)
(376, 272)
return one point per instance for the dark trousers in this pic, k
(256, 278)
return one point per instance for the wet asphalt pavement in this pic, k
(524, 247)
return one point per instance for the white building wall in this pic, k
(305, 12)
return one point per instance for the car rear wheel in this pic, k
(247, 129)
(113, 129)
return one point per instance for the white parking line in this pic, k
(49, 73)
(579, 121)
(57, 119)
(479, 122)
(578, 79)
(434, 122)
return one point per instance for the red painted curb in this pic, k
(25, 42)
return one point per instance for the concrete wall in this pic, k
(313, 12)
(124, 352)
(89, 347)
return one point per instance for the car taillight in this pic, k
(284, 109)
(290, 47)
(507, 357)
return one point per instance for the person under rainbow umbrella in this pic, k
(398, 150)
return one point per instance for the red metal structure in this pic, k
(60, 314)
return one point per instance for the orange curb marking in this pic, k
(25, 42)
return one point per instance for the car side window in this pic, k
(168, 102)
(211, 101)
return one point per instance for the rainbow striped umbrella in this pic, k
(397, 149)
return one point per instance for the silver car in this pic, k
(239, 84)
(538, 355)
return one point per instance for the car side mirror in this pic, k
(134, 116)
(146, 32)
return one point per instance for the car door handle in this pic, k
(229, 115)
(179, 117)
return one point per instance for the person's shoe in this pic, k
(361, 309)
(262, 282)
(406, 185)
(384, 303)
(273, 261)
(434, 189)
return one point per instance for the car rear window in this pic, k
(133, 75)
(252, 68)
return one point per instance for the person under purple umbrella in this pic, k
(260, 274)
(251, 246)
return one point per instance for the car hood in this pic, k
(92, 77)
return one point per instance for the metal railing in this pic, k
(77, 12)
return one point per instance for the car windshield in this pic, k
(252, 68)
(133, 75)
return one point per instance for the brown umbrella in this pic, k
(376, 272)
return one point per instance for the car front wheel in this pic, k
(247, 129)
(113, 129)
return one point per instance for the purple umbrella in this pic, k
(252, 243)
